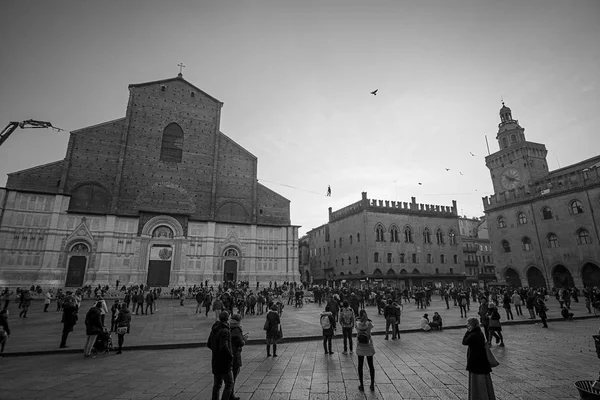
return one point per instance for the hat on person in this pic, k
(425, 315)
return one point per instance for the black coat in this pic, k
(93, 322)
(222, 354)
(237, 342)
(477, 361)
(69, 318)
(274, 321)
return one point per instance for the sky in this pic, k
(295, 78)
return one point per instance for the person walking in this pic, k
(347, 318)
(47, 300)
(93, 327)
(149, 302)
(389, 313)
(485, 318)
(540, 307)
(69, 319)
(516, 300)
(495, 326)
(364, 348)
(123, 326)
(218, 307)
(531, 305)
(138, 298)
(207, 302)
(480, 380)
(272, 326)
(219, 343)
(328, 325)
(506, 304)
(238, 340)
(4, 330)
(25, 303)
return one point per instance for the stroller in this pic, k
(103, 343)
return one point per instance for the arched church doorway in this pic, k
(230, 265)
(562, 278)
(512, 278)
(590, 275)
(161, 256)
(535, 278)
(78, 259)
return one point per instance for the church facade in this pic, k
(159, 197)
(543, 224)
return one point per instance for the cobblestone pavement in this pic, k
(173, 324)
(535, 364)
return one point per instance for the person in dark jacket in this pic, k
(480, 380)
(272, 328)
(114, 311)
(123, 320)
(389, 313)
(93, 327)
(150, 302)
(327, 332)
(4, 330)
(69, 319)
(238, 340)
(138, 298)
(222, 357)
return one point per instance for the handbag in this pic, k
(121, 330)
(280, 334)
(490, 356)
(267, 325)
(494, 323)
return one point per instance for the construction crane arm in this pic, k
(30, 123)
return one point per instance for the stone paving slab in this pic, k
(175, 326)
(535, 364)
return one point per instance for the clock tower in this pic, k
(518, 163)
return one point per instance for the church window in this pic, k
(402, 258)
(552, 240)
(426, 236)
(389, 257)
(513, 138)
(408, 234)
(526, 244)
(376, 257)
(521, 218)
(379, 233)
(439, 235)
(172, 144)
(576, 207)
(90, 198)
(504, 142)
(547, 213)
(80, 248)
(192, 94)
(505, 246)
(501, 222)
(452, 237)
(230, 253)
(394, 234)
(583, 237)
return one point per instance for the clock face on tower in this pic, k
(510, 179)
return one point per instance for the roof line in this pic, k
(97, 125)
(177, 78)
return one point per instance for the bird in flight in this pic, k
(472, 154)
(447, 169)
(420, 183)
(374, 92)
(460, 173)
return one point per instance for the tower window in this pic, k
(552, 240)
(505, 246)
(192, 94)
(394, 234)
(408, 234)
(429, 259)
(442, 259)
(402, 258)
(455, 259)
(414, 258)
(526, 244)
(576, 207)
(547, 213)
(513, 138)
(376, 257)
(379, 233)
(501, 222)
(358, 237)
(452, 237)
(521, 218)
(504, 142)
(426, 236)
(389, 258)
(583, 237)
(172, 144)
(439, 236)
(163, 88)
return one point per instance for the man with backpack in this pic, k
(219, 342)
(328, 325)
(347, 318)
(389, 313)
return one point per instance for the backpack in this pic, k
(362, 337)
(325, 322)
(346, 318)
(464, 301)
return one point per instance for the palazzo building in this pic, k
(159, 197)
(543, 224)
(389, 243)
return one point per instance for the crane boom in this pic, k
(30, 123)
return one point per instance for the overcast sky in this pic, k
(295, 78)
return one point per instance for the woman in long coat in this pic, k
(480, 381)
(272, 327)
(364, 348)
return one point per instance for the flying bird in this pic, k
(374, 92)
(460, 173)
(472, 154)
(447, 169)
(420, 183)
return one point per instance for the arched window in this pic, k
(229, 252)
(350, 239)
(547, 213)
(342, 261)
(389, 258)
(172, 144)
(349, 260)
(521, 218)
(357, 259)
(452, 237)
(504, 142)
(526, 243)
(505, 246)
(583, 237)
(442, 259)
(80, 248)
(576, 207)
(455, 257)
(414, 258)
(552, 240)
(336, 262)
(426, 236)
(375, 257)
(90, 198)
(402, 258)
(429, 259)
(408, 238)
(379, 233)
(358, 237)
(163, 231)
(501, 222)
(394, 234)
(334, 244)
(340, 243)
(439, 236)
(513, 138)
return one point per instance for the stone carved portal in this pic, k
(78, 258)
(159, 265)
(230, 266)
